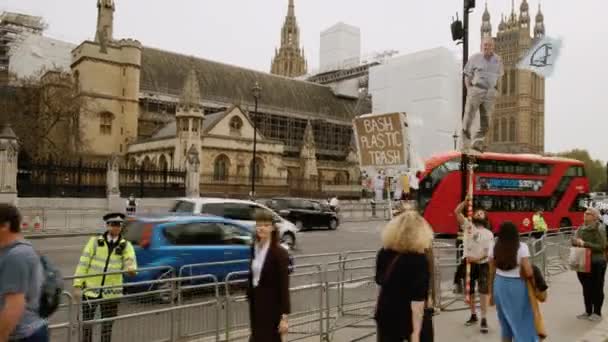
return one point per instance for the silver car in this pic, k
(238, 210)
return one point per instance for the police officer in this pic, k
(540, 226)
(106, 253)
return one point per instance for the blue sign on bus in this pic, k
(508, 184)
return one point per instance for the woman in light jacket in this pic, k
(402, 271)
(268, 290)
(510, 267)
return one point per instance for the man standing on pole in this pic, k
(482, 72)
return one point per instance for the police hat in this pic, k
(114, 217)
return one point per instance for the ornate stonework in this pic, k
(518, 123)
(289, 60)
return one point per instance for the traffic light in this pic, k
(457, 30)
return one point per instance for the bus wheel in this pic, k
(565, 222)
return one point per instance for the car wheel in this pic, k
(333, 224)
(289, 239)
(300, 225)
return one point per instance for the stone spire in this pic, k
(289, 60)
(512, 22)
(539, 27)
(486, 25)
(524, 15)
(191, 93)
(503, 25)
(308, 158)
(189, 118)
(105, 21)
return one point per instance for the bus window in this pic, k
(580, 203)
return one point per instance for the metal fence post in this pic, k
(175, 328)
(227, 305)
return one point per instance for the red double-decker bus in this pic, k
(510, 187)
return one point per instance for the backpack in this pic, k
(52, 288)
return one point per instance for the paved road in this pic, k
(352, 236)
(65, 252)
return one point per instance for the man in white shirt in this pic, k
(478, 240)
(334, 203)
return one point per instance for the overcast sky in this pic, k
(246, 32)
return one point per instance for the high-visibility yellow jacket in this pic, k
(96, 260)
(539, 223)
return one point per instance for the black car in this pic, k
(304, 213)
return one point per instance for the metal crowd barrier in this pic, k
(329, 292)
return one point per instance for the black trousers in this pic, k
(459, 250)
(109, 308)
(593, 287)
(460, 269)
(383, 336)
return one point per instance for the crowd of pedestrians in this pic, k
(499, 269)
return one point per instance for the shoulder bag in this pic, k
(427, 332)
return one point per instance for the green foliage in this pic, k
(595, 169)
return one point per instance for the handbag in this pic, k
(427, 332)
(580, 259)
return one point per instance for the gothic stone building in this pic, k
(152, 106)
(518, 124)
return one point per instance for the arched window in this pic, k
(505, 84)
(105, 123)
(236, 124)
(259, 169)
(533, 133)
(512, 130)
(495, 131)
(513, 81)
(148, 165)
(221, 168)
(132, 164)
(503, 129)
(162, 163)
(341, 178)
(290, 176)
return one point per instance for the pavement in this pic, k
(563, 304)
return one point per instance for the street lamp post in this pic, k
(460, 33)
(256, 90)
(455, 137)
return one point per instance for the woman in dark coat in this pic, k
(268, 290)
(402, 271)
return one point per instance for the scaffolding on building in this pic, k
(14, 28)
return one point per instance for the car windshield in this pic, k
(134, 230)
(182, 207)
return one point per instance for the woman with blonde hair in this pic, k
(402, 271)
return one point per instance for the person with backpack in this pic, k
(21, 283)
(97, 278)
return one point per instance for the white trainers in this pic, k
(595, 318)
(583, 316)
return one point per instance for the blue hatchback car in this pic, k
(176, 241)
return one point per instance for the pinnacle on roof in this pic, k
(191, 94)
